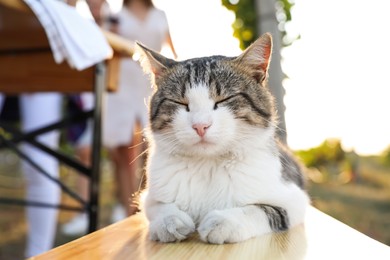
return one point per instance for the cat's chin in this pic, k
(205, 148)
(205, 143)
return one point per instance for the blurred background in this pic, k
(334, 59)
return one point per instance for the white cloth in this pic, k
(73, 38)
(129, 103)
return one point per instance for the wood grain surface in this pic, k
(320, 237)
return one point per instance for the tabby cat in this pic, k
(215, 166)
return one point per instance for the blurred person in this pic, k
(126, 110)
(38, 110)
(100, 11)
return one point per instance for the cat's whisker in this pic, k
(139, 156)
(137, 145)
(276, 126)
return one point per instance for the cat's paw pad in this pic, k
(217, 228)
(171, 228)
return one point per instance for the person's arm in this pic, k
(170, 43)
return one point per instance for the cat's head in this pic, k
(212, 105)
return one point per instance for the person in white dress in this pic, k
(126, 109)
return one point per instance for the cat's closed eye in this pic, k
(180, 103)
(222, 100)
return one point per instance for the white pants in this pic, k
(38, 110)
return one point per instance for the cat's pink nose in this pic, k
(201, 128)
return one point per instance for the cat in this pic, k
(214, 163)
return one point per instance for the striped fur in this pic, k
(277, 217)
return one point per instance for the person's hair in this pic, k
(148, 3)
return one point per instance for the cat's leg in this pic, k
(241, 223)
(167, 223)
(238, 224)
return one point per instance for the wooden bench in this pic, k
(320, 237)
(27, 65)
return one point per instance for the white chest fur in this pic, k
(200, 185)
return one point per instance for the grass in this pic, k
(363, 204)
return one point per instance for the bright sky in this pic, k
(338, 82)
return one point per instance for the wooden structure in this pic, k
(27, 65)
(26, 58)
(320, 237)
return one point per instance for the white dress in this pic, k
(128, 104)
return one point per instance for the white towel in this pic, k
(72, 37)
(56, 44)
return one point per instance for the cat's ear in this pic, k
(257, 57)
(153, 62)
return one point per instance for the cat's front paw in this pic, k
(218, 227)
(171, 228)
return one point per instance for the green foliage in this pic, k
(245, 24)
(329, 151)
(385, 157)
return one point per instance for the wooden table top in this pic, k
(320, 237)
